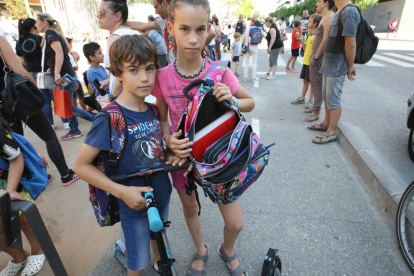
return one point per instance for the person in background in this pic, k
(274, 46)
(240, 27)
(282, 32)
(392, 27)
(296, 42)
(235, 52)
(228, 32)
(305, 20)
(212, 43)
(218, 36)
(255, 38)
(158, 41)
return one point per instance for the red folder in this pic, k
(207, 136)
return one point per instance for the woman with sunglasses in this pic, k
(113, 16)
(57, 59)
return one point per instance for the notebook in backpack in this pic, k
(105, 205)
(235, 160)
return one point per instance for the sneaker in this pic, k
(71, 135)
(282, 52)
(265, 76)
(72, 177)
(54, 127)
(294, 71)
(49, 178)
(309, 105)
(237, 74)
(271, 77)
(66, 125)
(298, 101)
(287, 68)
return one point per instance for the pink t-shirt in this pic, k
(169, 87)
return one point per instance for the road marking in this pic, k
(256, 83)
(256, 126)
(373, 63)
(281, 62)
(299, 59)
(397, 62)
(264, 73)
(400, 56)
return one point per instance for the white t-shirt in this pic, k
(228, 31)
(213, 42)
(283, 27)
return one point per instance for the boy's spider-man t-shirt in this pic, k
(169, 88)
(144, 148)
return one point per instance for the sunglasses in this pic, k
(102, 13)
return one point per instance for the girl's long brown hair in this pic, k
(204, 4)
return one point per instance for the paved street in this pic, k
(309, 203)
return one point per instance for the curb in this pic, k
(381, 178)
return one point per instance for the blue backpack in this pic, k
(34, 177)
(255, 35)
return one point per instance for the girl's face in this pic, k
(268, 24)
(106, 17)
(138, 79)
(190, 30)
(41, 25)
(320, 5)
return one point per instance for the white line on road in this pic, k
(277, 73)
(400, 56)
(256, 126)
(256, 83)
(373, 63)
(281, 62)
(397, 62)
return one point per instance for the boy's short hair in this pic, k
(297, 24)
(132, 49)
(89, 49)
(316, 19)
(236, 34)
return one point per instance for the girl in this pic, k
(31, 261)
(57, 58)
(188, 24)
(113, 16)
(274, 46)
(324, 7)
(254, 34)
(38, 123)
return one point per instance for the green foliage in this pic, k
(296, 9)
(364, 4)
(16, 8)
(140, 1)
(245, 7)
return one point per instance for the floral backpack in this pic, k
(255, 35)
(227, 155)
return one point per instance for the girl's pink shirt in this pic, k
(169, 88)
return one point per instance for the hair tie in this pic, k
(23, 20)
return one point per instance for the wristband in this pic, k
(235, 102)
(163, 139)
(317, 59)
(111, 97)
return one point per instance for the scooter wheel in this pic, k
(272, 265)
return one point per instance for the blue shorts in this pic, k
(137, 234)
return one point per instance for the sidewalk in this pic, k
(310, 203)
(399, 36)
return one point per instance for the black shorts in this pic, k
(295, 52)
(305, 73)
(236, 59)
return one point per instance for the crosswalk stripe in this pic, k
(281, 62)
(256, 126)
(390, 60)
(373, 63)
(411, 54)
(400, 56)
(277, 73)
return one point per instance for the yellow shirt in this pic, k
(308, 50)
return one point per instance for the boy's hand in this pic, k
(16, 196)
(174, 160)
(132, 196)
(222, 92)
(104, 84)
(181, 147)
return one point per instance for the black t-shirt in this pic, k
(29, 48)
(2, 74)
(67, 68)
(278, 42)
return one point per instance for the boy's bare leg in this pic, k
(293, 62)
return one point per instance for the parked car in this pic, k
(410, 125)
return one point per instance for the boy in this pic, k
(296, 42)
(313, 23)
(235, 52)
(95, 57)
(134, 62)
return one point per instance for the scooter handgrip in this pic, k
(119, 178)
(171, 168)
(155, 223)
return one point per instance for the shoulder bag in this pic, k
(44, 80)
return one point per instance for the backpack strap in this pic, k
(154, 108)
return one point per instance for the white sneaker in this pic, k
(66, 125)
(265, 76)
(271, 77)
(54, 127)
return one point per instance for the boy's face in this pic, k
(138, 79)
(299, 27)
(99, 56)
(311, 24)
(237, 38)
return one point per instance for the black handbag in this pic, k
(20, 98)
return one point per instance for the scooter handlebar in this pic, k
(154, 219)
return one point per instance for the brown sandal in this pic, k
(312, 117)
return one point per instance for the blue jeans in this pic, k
(48, 95)
(212, 56)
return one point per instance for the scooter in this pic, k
(272, 265)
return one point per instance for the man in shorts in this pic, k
(338, 62)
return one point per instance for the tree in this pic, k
(364, 4)
(140, 1)
(16, 8)
(245, 7)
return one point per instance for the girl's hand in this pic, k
(104, 84)
(132, 196)
(174, 160)
(16, 196)
(181, 147)
(222, 92)
(59, 80)
(268, 51)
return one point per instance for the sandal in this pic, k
(311, 118)
(191, 271)
(238, 270)
(308, 110)
(34, 264)
(325, 138)
(12, 268)
(321, 127)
